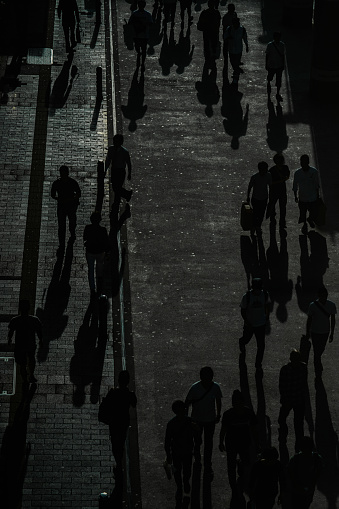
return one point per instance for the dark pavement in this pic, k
(194, 142)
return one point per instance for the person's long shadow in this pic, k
(235, 122)
(63, 85)
(280, 287)
(117, 258)
(89, 353)
(277, 138)
(314, 262)
(135, 108)
(97, 23)
(167, 53)
(183, 50)
(327, 443)
(253, 257)
(207, 89)
(52, 315)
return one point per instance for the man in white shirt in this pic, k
(205, 398)
(320, 326)
(275, 63)
(306, 192)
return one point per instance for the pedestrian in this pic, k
(235, 35)
(267, 480)
(277, 193)
(275, 63)
(259, 184)
(118, 401)
(25, 326)
(306, 192)
(293, 391)
(67, 192)
(227, 21)
(68, 10)
(179, 449)
(237, 434)
(255, 313)
(170, 6)
(320, 326)
(141, 20)
(304, 469)
(117, 160)
(205, 398)
(96, 242)
(209, 24)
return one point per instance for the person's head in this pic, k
(206, 374)
(270, 454)
(306, 445)
(231, 8)
(262, 167)
(178, 407)
(123, 379)
(237, 399)
(304, 161)
(24, 306)
(295, 356)
(279, 159)
(141, 5)
(118, 139)
(277, 36)
(256, 283)
(64, 171)
(322, 293)
(95, 217)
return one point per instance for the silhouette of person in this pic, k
(293, 391)
(96, 242)
(186, 5)
(280, 173)
(69, 12)
(207, 89)
(141, 21)
(67, 192)
(259, 185)
(179, 448)
(227, 21)
(117, 159)
(236, 122)
(255, 312)
(120, 399)
(205, 398)
(209, 25)
(320, 326)
(267, 479)
(304, 469)
(183, 50)
(135, 108)
(25, 326)
(275, 63)
(306, 192)
(170, 6)
(237, 433)
(235, 35)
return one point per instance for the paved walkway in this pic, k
(194, 143)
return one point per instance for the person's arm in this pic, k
(295, 188)
(244, 36)
(54, 192)
(222, 438)
(332, 321)
(77, 192)
(108, 158)
(218, 405)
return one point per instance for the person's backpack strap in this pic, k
(205, 394)
(319, 306)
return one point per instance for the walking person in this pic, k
(205, 398)
(267, 480)
(235, 35)
(117, 160)
(237, 434)
(25, 327)
(255, 313)
(67, 192)
(96, 242)
(259, 184)
(209, 24)
(227, 21)
(306, 192)
(69, 12)
(280, 173)
(275, 63)
(293, 391)
(304, 470)
(320, 326)
(179, 449)
(141, 20)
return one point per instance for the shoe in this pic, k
(311, 223)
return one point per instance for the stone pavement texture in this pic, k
(187, 260)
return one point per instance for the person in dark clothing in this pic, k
(179, 448)
(209, 24)
(227, 21)
(117, 159)
(293, 390)
(141, 21)
(120, 399)
(259, 184)
(67, 193)
(25, 326)
(280, 173)
(266, 479)
(304, 469)
(238, 432)
(96, 242)
(68, 10)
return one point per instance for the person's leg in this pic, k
(31, 366)
(143, 46)
(21, 360)
(118, 437)
(319, 343)
(246, 337)
(282, 207)
(100, 258)
(283, 429)
(312, 209)
(198, 430)
(302, 212)
(209, 428)
(72, 33)
(270, 75)
(278, 75)
(65, 27)
(298, 420)
(187, 471)
(271, 206)
(61, 213)
(90, 257)
(259, 333)
(232, 467)
(177, 474)
(72, 220)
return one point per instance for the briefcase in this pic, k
(246, 216)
